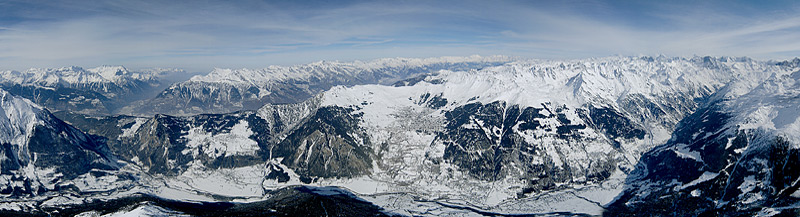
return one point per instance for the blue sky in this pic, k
(200, 35)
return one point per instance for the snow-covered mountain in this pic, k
(228, 90)
(524, 137)
(736, 155)
(44, 158)
(49, 168)
(491, 137)
(99, 90)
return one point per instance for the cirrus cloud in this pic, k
(205, 34)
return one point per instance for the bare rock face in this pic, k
(496, 141)
(330, 143)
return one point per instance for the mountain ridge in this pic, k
(229, 90)
(100, 90)
(45, 154)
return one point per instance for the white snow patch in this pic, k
(236, 142)
(704, 177)
(682, 150)
(234, 182)
(175, 193)
(130, 132)
(145, 209)
(749, 183)
(360, 185)
(605, 192)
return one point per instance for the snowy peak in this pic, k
(600, 81)
(76, 76)
(18, 116)
(99, 90)
(794, 63)
(220, 75)
(41, 153)
(772, 106)
(110, 73)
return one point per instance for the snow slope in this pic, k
(18, 116)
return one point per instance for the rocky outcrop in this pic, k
(329, 143)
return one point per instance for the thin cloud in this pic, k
(203, 35)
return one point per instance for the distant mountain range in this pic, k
(229, 90)
(109, 90)
(100, 90)
(438, 136)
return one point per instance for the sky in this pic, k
(201, 35)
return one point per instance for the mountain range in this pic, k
(100, 90)
(438, 136)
